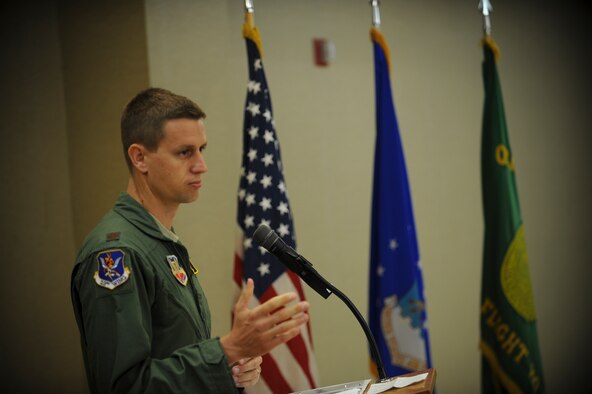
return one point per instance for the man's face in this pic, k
(176, 167)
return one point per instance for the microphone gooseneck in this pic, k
(269, 240)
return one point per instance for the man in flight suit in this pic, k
(143, 318)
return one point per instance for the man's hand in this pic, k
(256, 331)
(245, 372)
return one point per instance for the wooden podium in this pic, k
(426, 386)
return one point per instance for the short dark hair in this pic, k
(143, 118)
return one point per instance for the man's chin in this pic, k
(191, 198)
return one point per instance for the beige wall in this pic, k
(68, 69)
(105, 63)
(325, 122)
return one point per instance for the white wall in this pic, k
(325, 123)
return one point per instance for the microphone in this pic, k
(269, 240)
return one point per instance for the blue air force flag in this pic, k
(397, 311)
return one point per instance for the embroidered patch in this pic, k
(112, 271)
(177, 270)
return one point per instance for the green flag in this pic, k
(511, 361)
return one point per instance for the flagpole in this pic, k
(292, 366)
(503, 238)
(375, 13)
(374, 351)
(249, 13)
(396, 301)
(486, 8)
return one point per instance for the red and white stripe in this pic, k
(291, 366)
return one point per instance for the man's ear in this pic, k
(137, 155)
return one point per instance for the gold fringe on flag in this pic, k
(251, 32)
(487, 40)
(378, 38)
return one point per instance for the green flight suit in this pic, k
(142, 330)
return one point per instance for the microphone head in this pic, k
(265, 236)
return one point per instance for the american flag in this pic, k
(262, 198)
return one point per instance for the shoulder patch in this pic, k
(112, 271)
(177, 270)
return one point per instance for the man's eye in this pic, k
(185, 153)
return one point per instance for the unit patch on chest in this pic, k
(177, 270)
(112, 272)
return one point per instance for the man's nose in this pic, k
(199, 166)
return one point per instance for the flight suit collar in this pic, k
(136, 214)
